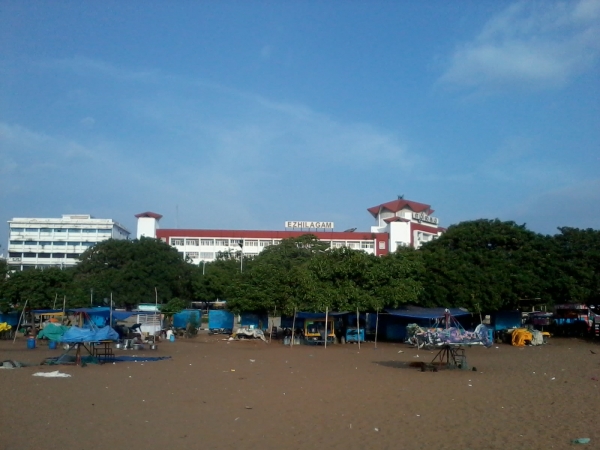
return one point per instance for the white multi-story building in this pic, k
(39, 243)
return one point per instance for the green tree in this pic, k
(131, 270)
(485, 264)
(40, 287)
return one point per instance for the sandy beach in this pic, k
(217, 394)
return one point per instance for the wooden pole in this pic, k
(19, 322)
(293, 327)
(55, 297)
(326, 317)
(376, 327)
(357, 328)
(155, 311)
(272, 324)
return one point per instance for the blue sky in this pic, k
(243, 114)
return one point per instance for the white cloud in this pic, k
(533, 44)
(87, 122)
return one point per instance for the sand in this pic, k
(214, 394)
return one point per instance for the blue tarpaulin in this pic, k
(286, 321)
(182, 318)
(76, 334)
(220, 319)
(415, 312)
(258, 321)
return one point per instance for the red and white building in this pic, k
(408, 223)
(399, 223)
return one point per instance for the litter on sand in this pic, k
(55, 374)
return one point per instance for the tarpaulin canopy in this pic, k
(308, 315)
(416, 312)
(77, 334)
(47, 311)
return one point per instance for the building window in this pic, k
(17, 230)
(73, 255)
(45, 243)
(104, 231)
(235, 242)
(55, 243)
(14, 255)
(16, 242)
(367, 244)
(73, 243)
(251, 243)
(43, 255)
(276, 241)
(87, 244)
(177, 241)
(89, 230)
(28, 255)
(58, 255)
(381, 245)
(30, 242)
(193, 255)
(59, 230)
(207, 242)
(193, 242)
(207, 255)
(266, 243)
(337, 244)
(354, 244)
(74, 230)
(222, 242)
(45, 230)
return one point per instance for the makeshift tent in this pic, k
(93, 334)
(286, 321)
(220, 321)
(182, 318)
(53, 332)
(254, 320)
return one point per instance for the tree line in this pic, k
(483, 265)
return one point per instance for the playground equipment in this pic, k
(450, 337)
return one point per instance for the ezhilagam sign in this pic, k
(307, 224)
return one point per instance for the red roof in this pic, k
(400, 204)
(395, 219)
(149, 214)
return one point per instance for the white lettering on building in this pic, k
(306, 224)
(422, 217)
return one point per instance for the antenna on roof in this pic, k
(401, 197)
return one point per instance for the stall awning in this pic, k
(416, 312)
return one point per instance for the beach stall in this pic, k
(258, 321)
(220, 321)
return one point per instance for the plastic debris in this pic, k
(581, 441)
(55, 374)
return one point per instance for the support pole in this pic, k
(55, 297)
(376, 327)
(110, 324)
(326, 317)
(155, 312)
(293, 328)
(357, 328)
(272, 324)
(19, 322)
